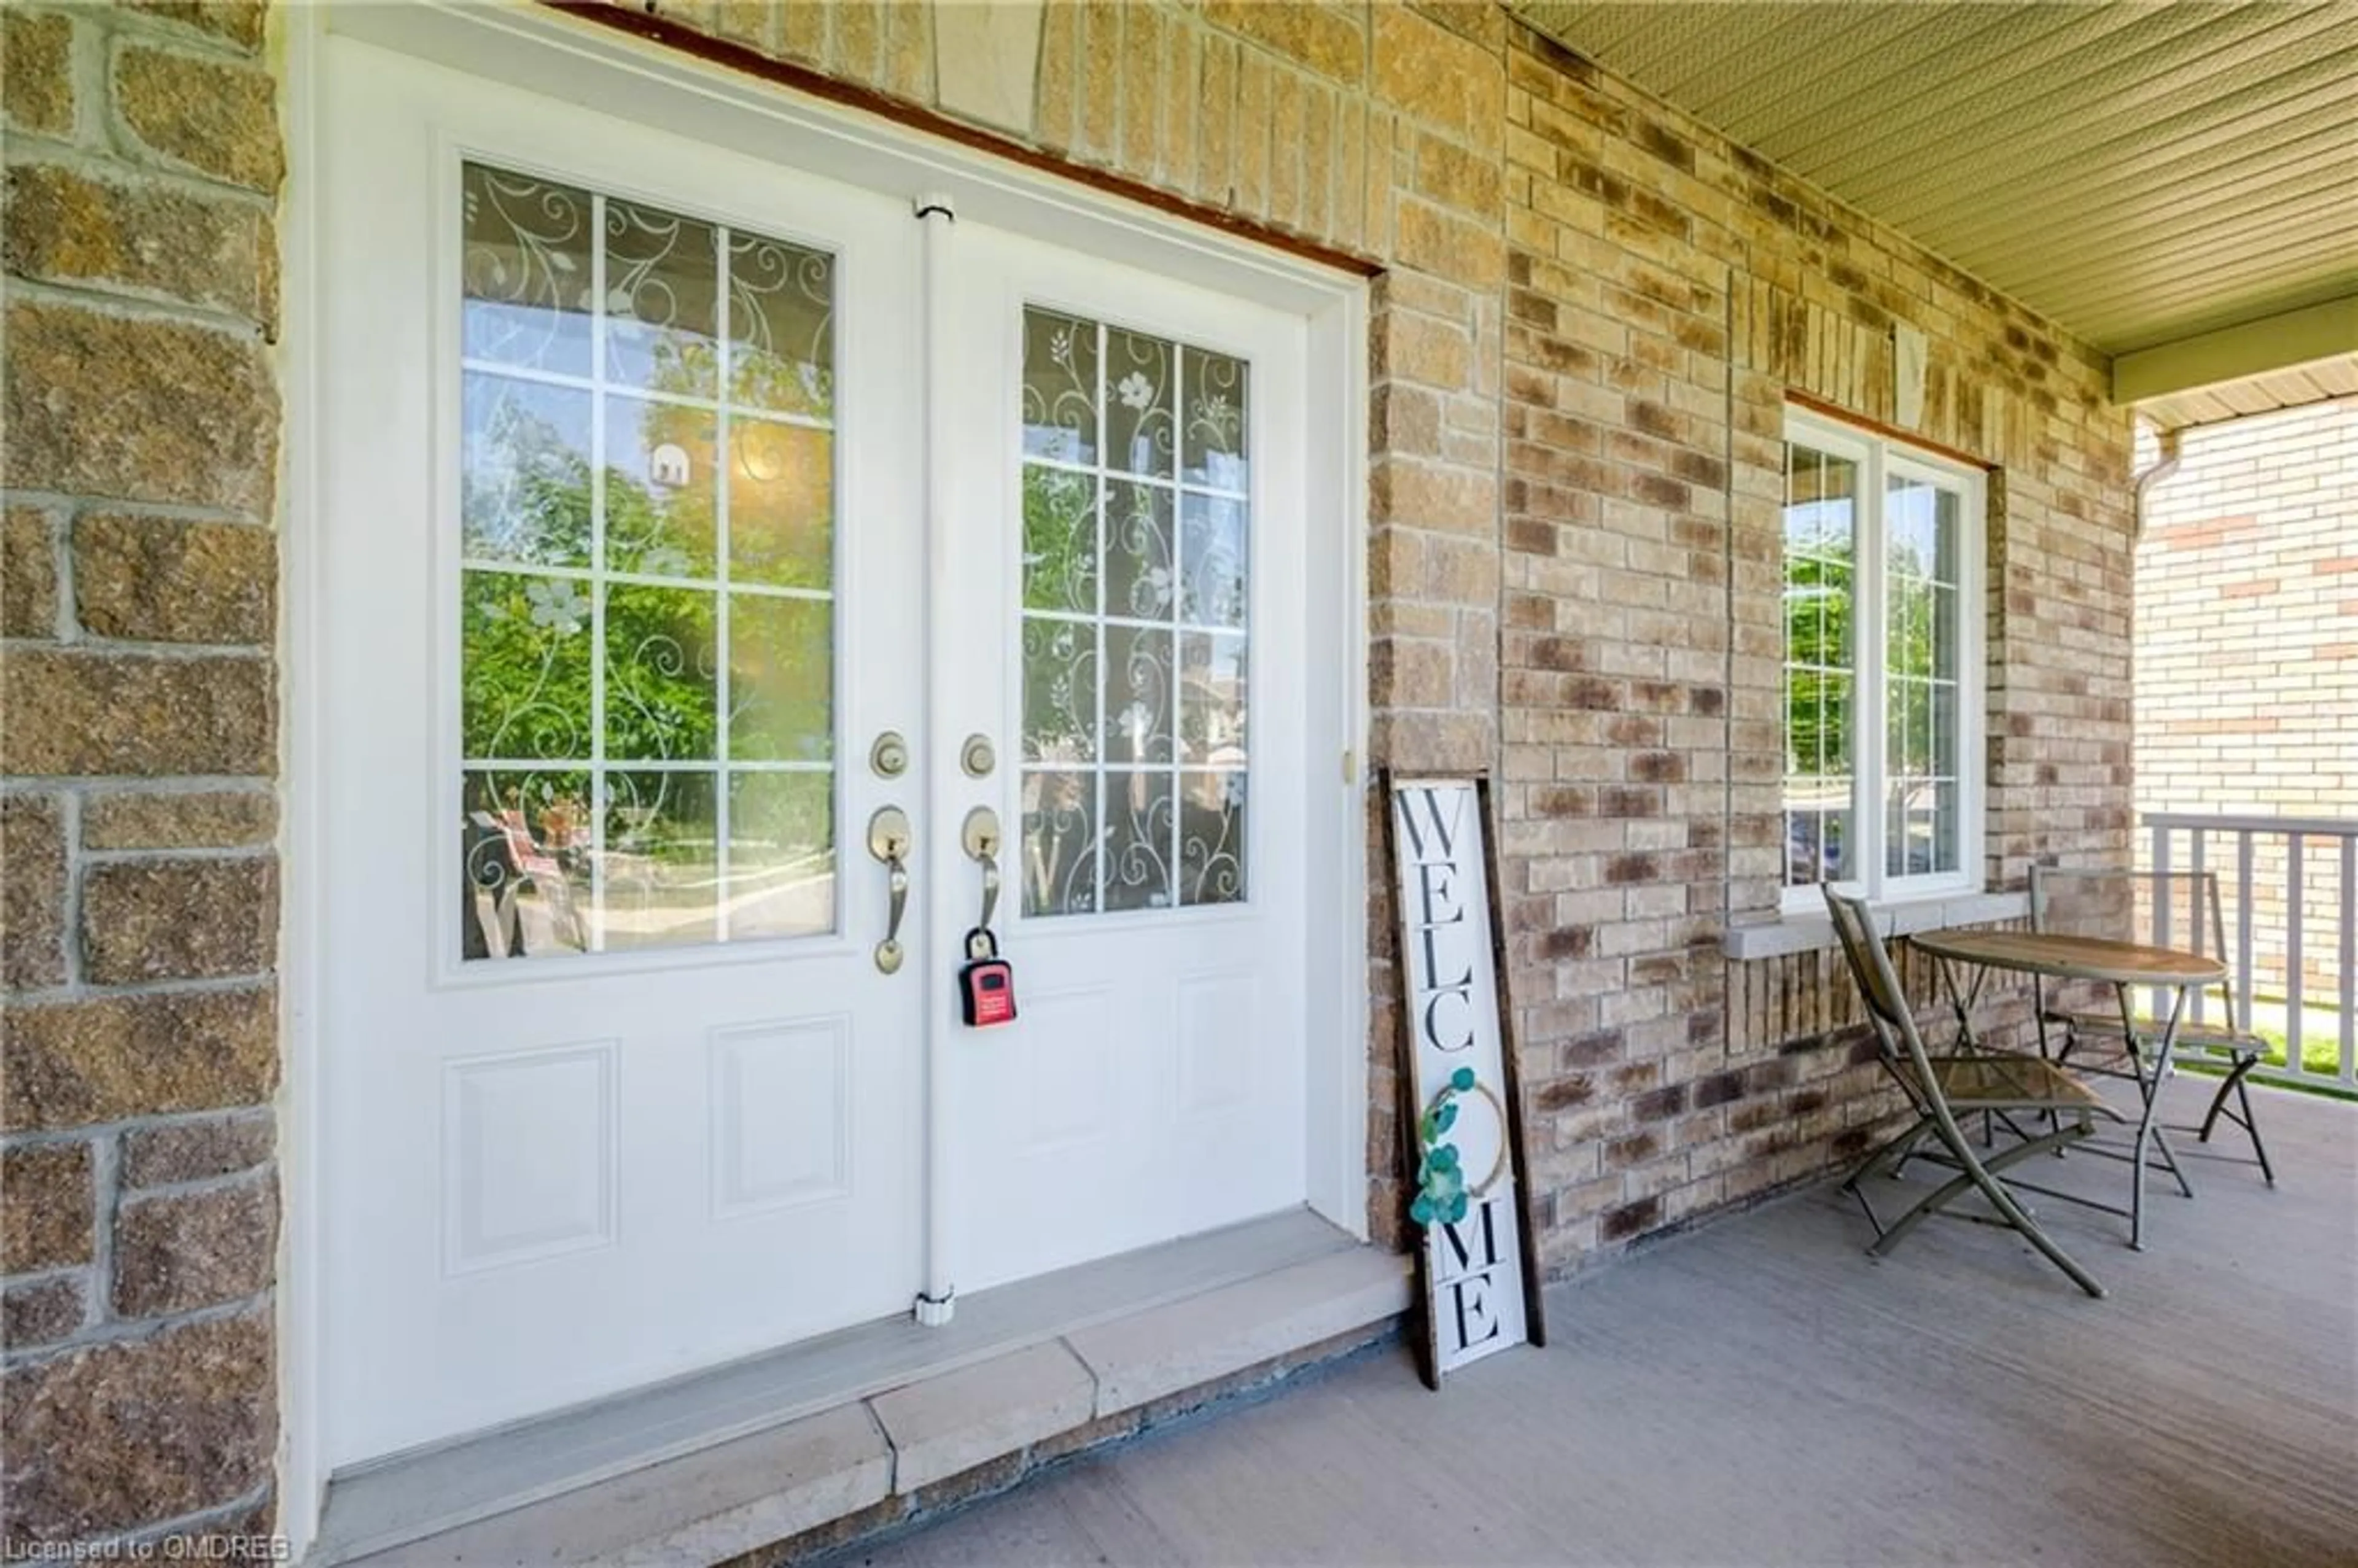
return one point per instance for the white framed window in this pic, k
(1884, 602)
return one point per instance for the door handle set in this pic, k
(887, 840)
(890, 837)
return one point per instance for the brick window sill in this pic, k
(1812, 933)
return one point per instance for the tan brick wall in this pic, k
(1633, 296)
(1666, 290)
(2247, 658)
(137, 603)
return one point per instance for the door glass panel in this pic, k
(663, 306)
(525, 450)
(646, 599)
(1136, 620)
(529, 245)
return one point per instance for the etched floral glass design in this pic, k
(1136, 573)
(646, 614)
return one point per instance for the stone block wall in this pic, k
(2247, 658)
(138, 735)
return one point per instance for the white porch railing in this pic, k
(2289, 885)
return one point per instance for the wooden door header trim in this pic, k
(666, 33)
(1857, 421)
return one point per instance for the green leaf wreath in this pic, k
(1441, 1196)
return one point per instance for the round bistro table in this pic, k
(2124, 965)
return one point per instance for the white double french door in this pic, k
(720, 577)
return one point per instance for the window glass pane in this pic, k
(780, 503)
(1921, 755)
(1060, 540)
(781, 854)
(1948, 517)
(1821, 543)
(1138, 376)
(677, 430)
(525, 656)
(663, 301)
(1138, 841)
(1060, 387)
(1218, 420)
(527, 271)
(1212, 706)
(1060, 842)
(523, 463)
(527, 847)
(661, 505)
(1909, 545)
(1136, 575)
(1060, 691)
(781, 326)
(1139, 583)
(1909, 843)
(1138, 694)
(1945, 762)
(660, 873)
(1212, 586)
(780, 678)
(1211, 836)
(1947, 631)
(662, 674)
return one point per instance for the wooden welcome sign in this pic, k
(1480, 1275)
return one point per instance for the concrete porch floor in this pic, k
(1761, 1392)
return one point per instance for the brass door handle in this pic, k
(887, 841)
(980, 838)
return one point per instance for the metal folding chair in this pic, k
(2161, 909)
(1940, 1087)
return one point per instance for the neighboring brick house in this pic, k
(2248, 655)
(1588, 314)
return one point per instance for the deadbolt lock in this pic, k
(976, 757)
(889, 758)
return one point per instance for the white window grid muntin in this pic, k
(1867, 854)
(1102, 475)
(599, 384)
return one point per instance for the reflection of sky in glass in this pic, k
(524, 454)
(527, 335)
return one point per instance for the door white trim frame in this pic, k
(543, 51)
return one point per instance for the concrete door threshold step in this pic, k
(771, 1459)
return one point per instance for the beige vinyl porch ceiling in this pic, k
(2143, 174)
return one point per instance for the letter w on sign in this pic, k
(1464, 1146)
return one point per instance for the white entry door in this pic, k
(619, 508)
(649, 511)
(1125, 543)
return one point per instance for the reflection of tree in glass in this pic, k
(1818, 614)
(524, 493)
(527, 637)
